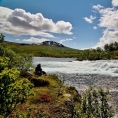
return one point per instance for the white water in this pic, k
(80, 74)
(69, 65)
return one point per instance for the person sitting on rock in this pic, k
(38, 70)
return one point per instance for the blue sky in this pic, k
(77, 24)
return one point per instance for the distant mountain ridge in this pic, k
(46, 43)
(52, 43)
(44, 49)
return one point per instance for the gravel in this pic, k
(81, 82)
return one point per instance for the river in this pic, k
(80, 74)
(70, 65)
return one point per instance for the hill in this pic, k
(52, 43)
(45, 49)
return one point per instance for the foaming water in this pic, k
(80, 74)
(69, 65)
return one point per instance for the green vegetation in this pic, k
(111, 46)
(58, 101)
(110, 52)
(49, 101)
(13, 88)
(44, 50)
(48, 97)
(94, 104)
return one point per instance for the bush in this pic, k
(23, 62)
(12, 90)
(94, 104)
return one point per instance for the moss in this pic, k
(52, 100)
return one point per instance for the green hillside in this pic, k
(43, 50)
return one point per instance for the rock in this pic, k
(27, 74)
(39, 82)
(38, 70)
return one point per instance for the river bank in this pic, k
(81, 82)
(80, 74)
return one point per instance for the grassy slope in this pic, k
(57, 105)
(42, 50)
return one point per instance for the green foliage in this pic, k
(12, 89)
(90, 54)
(3, 63)
(1, 38)
(111, 46)
(110, 52)
(97, 54)
(94, 104)
(22, 62)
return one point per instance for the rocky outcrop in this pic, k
(52, 43)
(39, 71)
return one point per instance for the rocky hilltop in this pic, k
(52, 43)
(47, 43)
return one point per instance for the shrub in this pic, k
(94, 104)
(23, 62)
(12, 90)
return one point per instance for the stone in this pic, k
(39, 71)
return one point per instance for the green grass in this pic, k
(43, 50)
(56, 94)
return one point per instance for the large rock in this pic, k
(39, 71)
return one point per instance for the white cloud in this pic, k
(64, 40)
(115, 3)
(109, 21)
(107, 38)
(90, 19)
(35, 40)
(109, 18)
(17, 39)
(95, 27)
(19, 22)
(97, 7)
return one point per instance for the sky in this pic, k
(78, 24)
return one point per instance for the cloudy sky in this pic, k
(77, 24)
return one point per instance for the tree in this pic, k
(115, 45)
(21, 61)
(106, 47)
(111, 47)
(1, 38)
(99, 49)
(92, 56)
